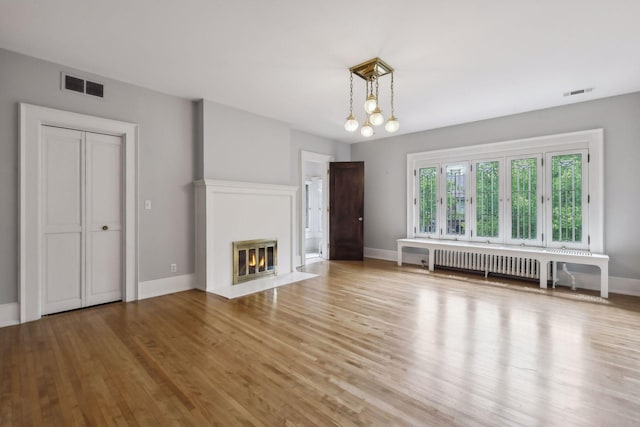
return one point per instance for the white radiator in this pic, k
(500, 264)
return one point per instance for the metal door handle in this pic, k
(360, 219)
(105, 227)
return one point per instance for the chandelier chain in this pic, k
(376, 77)
(391, 93)
(351, 95)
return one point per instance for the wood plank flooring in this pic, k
(366, 343)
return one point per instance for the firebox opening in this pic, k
(253, 259)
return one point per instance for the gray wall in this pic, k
(241, 146)
(166, 161)
(385, 169)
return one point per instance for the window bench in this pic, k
(542, 255)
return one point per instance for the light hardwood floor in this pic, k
(363, 344)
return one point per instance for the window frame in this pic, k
(593, 175)
(473, 203)
(584, 243)
(416, 198)
(442, 217)
(539, 240)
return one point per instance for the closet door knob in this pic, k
(105, 227)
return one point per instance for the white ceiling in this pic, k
(455, 61)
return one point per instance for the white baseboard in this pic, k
(617, 285)
(167, 285)
(9, 314)
(387, 255)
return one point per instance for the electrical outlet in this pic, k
(174, 268)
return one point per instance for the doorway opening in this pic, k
(314, 227)
(314, 238)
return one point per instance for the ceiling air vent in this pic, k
(95, 89)
(78, 85)
(578, 91)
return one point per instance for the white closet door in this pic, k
(62, 240)
(104, 218)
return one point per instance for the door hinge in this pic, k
(589, 240)
(440, 200)
(543, 237)
(541, 162)
(472, 234)
(471, 168)
(588, 158)
(588, 198)
(541, 199)
(441, 231)
(414, 201)
(471, 200)
(414, 172)
(440, 170)
(414, 230)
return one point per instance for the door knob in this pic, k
(105, 227)
(360, 219)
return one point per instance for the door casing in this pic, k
(305, 157)
(32, 117)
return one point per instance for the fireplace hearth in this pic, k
(254, 259)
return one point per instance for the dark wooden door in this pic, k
(346, 210)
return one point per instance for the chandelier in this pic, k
(371, 71)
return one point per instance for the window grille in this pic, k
(566, 196)
(487, 199)
(428, 185)
(524, 200)
(455, 214)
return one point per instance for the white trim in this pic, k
(309, 156)
(260, 285)
(9, 314)
(167, 285)
(32, 117)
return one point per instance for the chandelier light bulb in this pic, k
(370, 104)
(366, 130)
(351, 124)
(392, 125)
(376, 118)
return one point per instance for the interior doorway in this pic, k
(314, 197)
(314, 236)
(114, 139)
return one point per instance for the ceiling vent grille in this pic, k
(578, 91)
(79, 85)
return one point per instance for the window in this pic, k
(428, 207)
(537, 191)
(456, 193)
(488, 206)
(568, 198)
(524, 183)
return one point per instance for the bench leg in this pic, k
(432, 259)
(399, 255)
(604, 281)
(543, 274)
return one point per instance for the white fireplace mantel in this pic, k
(228, 211)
